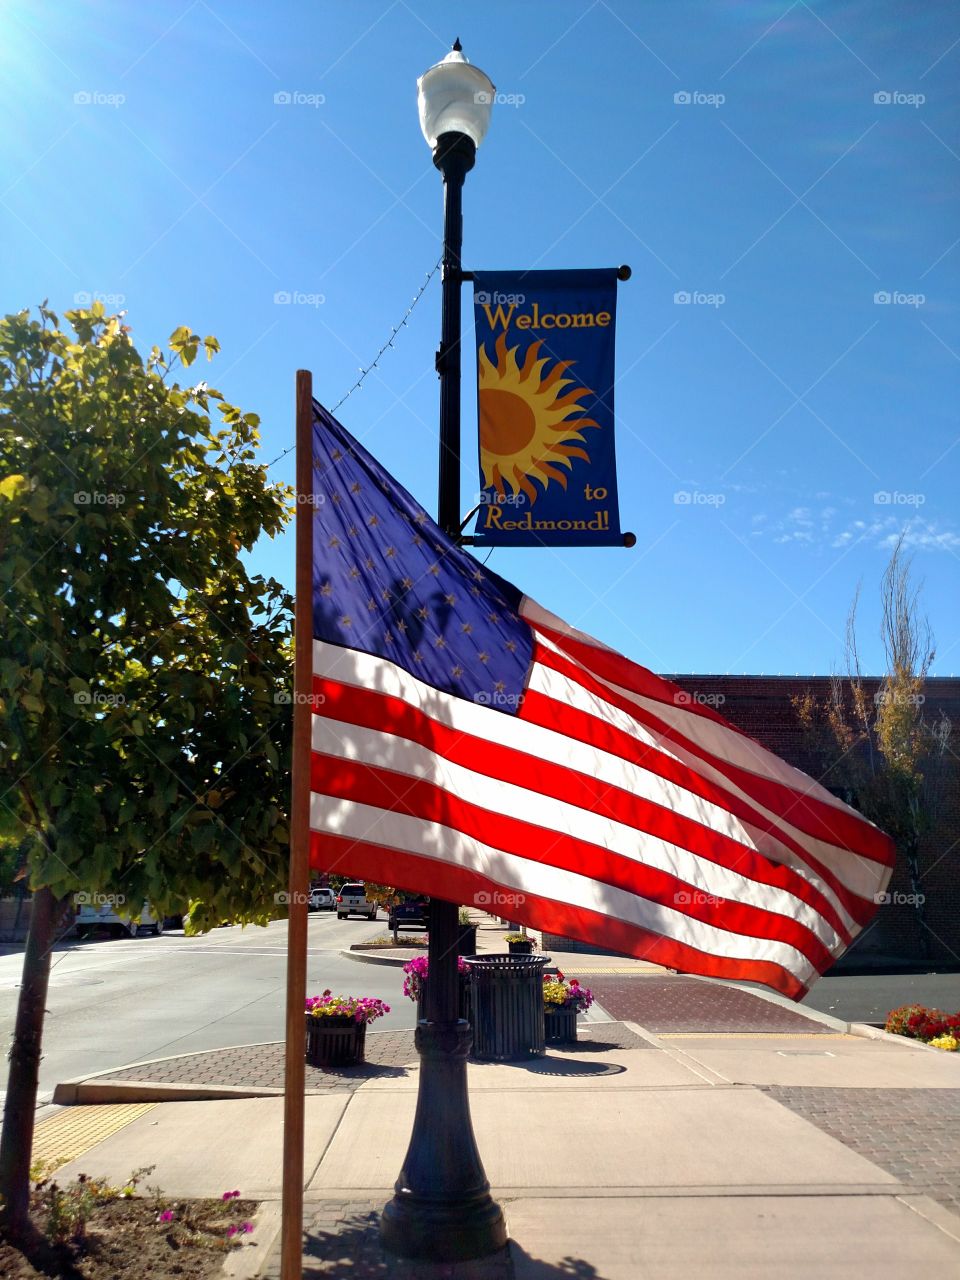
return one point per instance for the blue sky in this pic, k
(812, 172)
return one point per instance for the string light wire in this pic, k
(394, 333)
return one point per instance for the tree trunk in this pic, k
(919, 898)
(19, 1110)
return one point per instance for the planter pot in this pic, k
(560, 1025)
(467, 940)
(335, 1042)
(521, 948)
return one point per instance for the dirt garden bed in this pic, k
(88, 1231)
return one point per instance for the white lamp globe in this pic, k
(454, 97)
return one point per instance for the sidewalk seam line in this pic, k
(336, 1129)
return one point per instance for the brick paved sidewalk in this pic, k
(674, 1004)
(911, 1133)
(260, 1066)
(388, 1053)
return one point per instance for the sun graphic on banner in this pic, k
(529, 429)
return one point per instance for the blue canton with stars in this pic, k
(387, 581)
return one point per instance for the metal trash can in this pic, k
(507, 993)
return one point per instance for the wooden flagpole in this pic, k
(291, 1239)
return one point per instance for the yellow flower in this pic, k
(949, 1043)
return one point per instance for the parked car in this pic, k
(103, 915)
(322, 900)
(413, 912)
(352, 900)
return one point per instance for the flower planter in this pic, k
(523, 948)
(335, 1041)
(467, 940)
(560, 1025)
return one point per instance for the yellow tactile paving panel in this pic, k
(73, 1131)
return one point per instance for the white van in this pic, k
(94, 915)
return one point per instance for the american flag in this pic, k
(469, 744)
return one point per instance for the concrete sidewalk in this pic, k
(745, 1154)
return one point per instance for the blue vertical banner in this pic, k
(545, 375)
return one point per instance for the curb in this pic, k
(862, 1029)
(82, 1093)
(877, 1033)
(364, 957)
(245, 1264)
(67, 1091)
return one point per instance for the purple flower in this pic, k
(231, 1230)
(415, 973)
(361, 1008)
(230, 1195)
(246, 1227)
(167, 1215)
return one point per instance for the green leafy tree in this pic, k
(13, 853)
(144, 671)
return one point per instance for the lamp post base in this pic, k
(423, 1231)
(442, 1210)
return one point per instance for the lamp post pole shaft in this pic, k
(448, 357)
(442, 1210)
(454, 162)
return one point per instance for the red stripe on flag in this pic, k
(417, 874)
(812, 816)
(372, 710)
(591, 730)
(394, 792)
(613, 666)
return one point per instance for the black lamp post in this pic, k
(442, 1210)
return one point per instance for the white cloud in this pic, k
(924, 535)
(821, 527)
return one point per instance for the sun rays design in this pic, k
(529, 429)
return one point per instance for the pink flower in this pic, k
(167, 1215)
(231, 1230)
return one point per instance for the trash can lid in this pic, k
(505, 960)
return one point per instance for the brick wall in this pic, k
(762, 706)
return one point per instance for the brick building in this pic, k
(762, 706)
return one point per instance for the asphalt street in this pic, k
(119, 1001)
(869, 997)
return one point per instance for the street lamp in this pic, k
(455, 101)
(454, 97)
(442, 1210)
